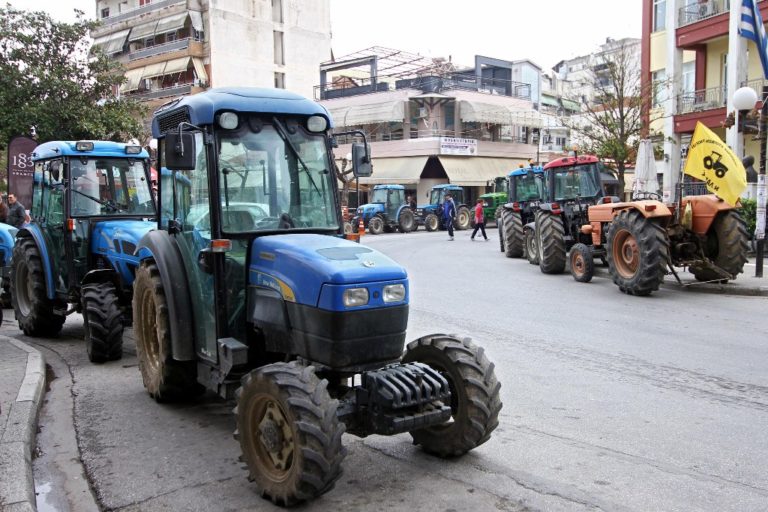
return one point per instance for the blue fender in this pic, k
(7, 240)
(33, 231)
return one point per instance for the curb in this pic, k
(718, 289)
(18, 440)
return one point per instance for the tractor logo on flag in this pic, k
(711, 164)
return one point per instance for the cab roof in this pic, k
(389, 187)
(202, 108)
(569, 161)
(447, 186)
(101, 148)
(524, 170)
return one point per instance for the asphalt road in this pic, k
(611, 402)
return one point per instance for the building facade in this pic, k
(171, 48)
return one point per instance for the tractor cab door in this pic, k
(394, 200)
(52, 221)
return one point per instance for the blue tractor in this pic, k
(526, 191)
(248, 288)
(430, 215)
(7, 241)
(91, 204)
(388, 211)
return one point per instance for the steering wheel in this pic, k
(267, 223)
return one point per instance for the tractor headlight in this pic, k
(355, 297)
(394, 293)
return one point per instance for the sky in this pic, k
(543, 31)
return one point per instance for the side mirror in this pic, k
(180, 151)
(56, 170)
(361, 160)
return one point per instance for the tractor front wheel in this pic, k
(165, 379)
(726, 244)
(462, 218)
(103, 322)
(582, 263)
(475, 401)
(637, 250)
(289, 433)
(376, 225)
(431, 222)
(551, 242)
(34, 310)
(405, 221)
(513, 234)
(531, 247)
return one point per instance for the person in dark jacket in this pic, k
(449, 213)
(17, 215)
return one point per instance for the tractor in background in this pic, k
(430, 215)
(263, 301)
(526, 191)
(493, 203)
(7, 241)
(388, 211)
(91, 204)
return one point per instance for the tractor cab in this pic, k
(575, 179)
(527, 186)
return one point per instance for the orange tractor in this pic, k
(642, 239)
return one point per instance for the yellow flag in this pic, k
(712, 162)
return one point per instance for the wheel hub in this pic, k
(274, 435)
(271, 437)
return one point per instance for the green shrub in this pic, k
(749, 214)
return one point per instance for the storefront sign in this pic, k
(21, 169)
(457, 146)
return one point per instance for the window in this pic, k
(689, 77)
(659, 88)
(105, 12)
(449, 111)
(659, 15)
(171, 36)
(279, 80)
(279, 51)
(150, 41)
(142, 3)
(277, 11)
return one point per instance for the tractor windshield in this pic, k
(109, 187)
(528, 187)
(379, 195)
(576, 181)
(276, 177)
(436, 197)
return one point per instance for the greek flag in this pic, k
(752, 27)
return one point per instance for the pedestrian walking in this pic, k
(17, 215)
(479, 220)
(449, 213)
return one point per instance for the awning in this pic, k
(475, 111)
(171, 23)
(197, 20)
(133, 77)
(550, 101)
(571, 105)
(179, 65)
(112, 43)
(143, 31)
(200, 69)
(153, 70)
(475, 171)
(399, 170)
(370, 113)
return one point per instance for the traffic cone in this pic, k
(360, 227)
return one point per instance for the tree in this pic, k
(49, 81)
(610, 123)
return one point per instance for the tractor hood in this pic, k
(109, 235)
(300, 265)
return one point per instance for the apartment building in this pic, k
(430, 121)
(694, 59)
(172, 48)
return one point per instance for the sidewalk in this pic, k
(745, 284)
(22, 384)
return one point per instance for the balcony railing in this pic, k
(177, 90)
(701, 11)
(140, 10)
(151, 51)
(703, 99)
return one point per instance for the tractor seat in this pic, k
(237, 221)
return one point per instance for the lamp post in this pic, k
(745, 99)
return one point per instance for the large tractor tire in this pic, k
(475, 401)
(376, 225)
(103, 319)
(582, 263)
(289, 433)
(726, 244)
(550, 238)
(463, 218)
(34, 310)
(531, 247)
(513, 234)
(431, 222)
(500, 228)
(638, 251)
(165, 379)
(405, 221)
(497, 214)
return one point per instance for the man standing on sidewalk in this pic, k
(449, 212)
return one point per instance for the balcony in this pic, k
(154, 6)
(194, 45)
(701, 100)
(690, 14)
(177, 90)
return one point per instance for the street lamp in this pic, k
(745, 99)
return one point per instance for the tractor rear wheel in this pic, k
(500, 228)
(638, 250)
(289, 433)
(165, 379)
(405, 221)
(462, 218)
(726, 244)
(431, 222)
(475, 401)
(103, 322)
(550, 238)
(376, 225)
(513, 234)
(34, 310)
(531, 247)
(582, 263)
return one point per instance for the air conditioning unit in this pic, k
(422, 113)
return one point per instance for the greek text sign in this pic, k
(458, 146)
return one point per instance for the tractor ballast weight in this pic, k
(91, 204)
(387, 211)
(527, 191)
(430, 215)
(248, 289)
